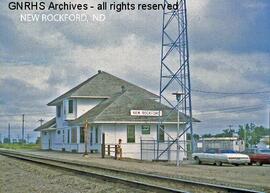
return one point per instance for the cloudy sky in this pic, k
(229, 60)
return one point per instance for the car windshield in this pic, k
(228, 151)
(265, 151)
(211, 151)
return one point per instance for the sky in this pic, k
(229, 61)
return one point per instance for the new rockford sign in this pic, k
(149, 113)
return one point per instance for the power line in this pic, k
(233, 110)
(28, 113)
(240, 111)
(211, 97)
(230, 93)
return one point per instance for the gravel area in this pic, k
(19, 176)
(255, 177)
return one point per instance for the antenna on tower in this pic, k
(175, 73)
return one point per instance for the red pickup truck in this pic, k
(258, 156)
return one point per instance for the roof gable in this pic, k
(50, 123)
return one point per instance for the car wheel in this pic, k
(198, 161)
(219, 163)
(258, 163)
(236, 164)
(250, 164)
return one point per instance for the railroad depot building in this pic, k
(118, 109)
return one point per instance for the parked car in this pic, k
(218, 157)
(258, 156)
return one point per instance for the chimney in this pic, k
(123, 89)
(99, 71)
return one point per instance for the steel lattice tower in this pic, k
(175, 73)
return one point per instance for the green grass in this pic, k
(21, 146)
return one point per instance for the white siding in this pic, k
(44, 140)
(50, 140)
(114, 132)
(84, 105)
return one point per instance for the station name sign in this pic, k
(147, 113)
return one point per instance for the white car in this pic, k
(218, 157)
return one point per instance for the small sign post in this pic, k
(85, 138)
(103, 146)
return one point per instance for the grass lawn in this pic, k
(20, 146)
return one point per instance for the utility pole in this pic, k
(252, 125)
(18, 138)
(230, 126)
(269, 131)
(28, 138)
(9, 141)
(41, 121)
(245, 137)
(22, 128)
(178, 98)
(0, 137)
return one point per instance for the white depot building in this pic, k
(118, 109)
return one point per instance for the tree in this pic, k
(6, 140)
(252, 134)
(207, 135)
(38, 141)
(195, 136)
(226, 133)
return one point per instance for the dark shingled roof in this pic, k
(101, 85)
(117, 109)
(46, 125)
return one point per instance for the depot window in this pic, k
(131, 133)
(145, 129)
(58, 109)
(68, 137)
(91, 136)
(161, 133)
(81, 134)
(74, 135)
(96, 132)
(63, 139)
(70, 106)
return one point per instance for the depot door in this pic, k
(50, 141)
